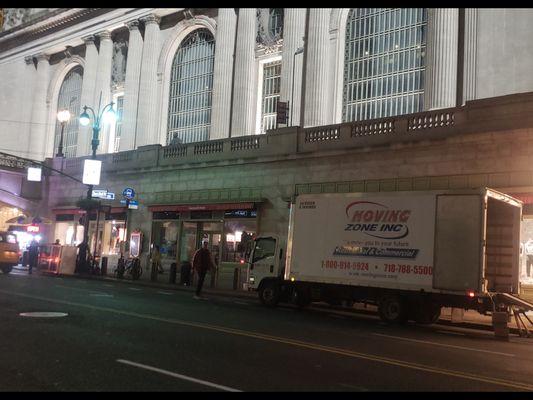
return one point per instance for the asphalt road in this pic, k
(119, 337)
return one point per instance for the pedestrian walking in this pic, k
(156, 259)
(33, 254)
(202, 262)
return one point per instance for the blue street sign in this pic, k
(128, 193)
(131, 202)
(110, 196)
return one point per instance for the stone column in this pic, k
(222, 74)
(103, 84)
(244, 89)
(316, 78)
(131, 87)
(37, 142)
(291, 86)
(87, 94)
(147, 123)
(470, 49)
(28, 75)
(441, 67)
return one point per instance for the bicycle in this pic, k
(133, 268)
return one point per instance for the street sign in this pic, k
(110, 196)
(128, 193)
(91, 172)
(99, 193)
(34, 174)
(132, 204)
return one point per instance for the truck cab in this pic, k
(266, 261)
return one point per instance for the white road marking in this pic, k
(444, 345)
(43, 314)
(241, 302)
(108, 285)
(179, 376)
(101, 294)
(167, 293)
(452, 333)
(134, 288)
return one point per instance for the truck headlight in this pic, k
(252, 279)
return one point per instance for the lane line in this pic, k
(296, 343)
(101, 295)
(444, 345)
(241, 302)
(452, 333)
(108, 285)
(136, 289)
(179, 376)
(167, 293)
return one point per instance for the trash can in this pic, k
(103, 270)
(173, 272)
(185, 273)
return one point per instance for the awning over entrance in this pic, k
(63, 211)
(202, 207)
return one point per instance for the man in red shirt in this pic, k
(202, 262)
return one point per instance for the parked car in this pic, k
(9, 252)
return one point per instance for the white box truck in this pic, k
(410, 253)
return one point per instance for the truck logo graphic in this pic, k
(377, 220)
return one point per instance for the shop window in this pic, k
(239, 235)
(165, 215)
(165, 234)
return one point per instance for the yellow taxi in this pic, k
(9, 252)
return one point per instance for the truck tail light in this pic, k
(470, 294)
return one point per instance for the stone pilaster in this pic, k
(317, 73)
(27, 76)
(131, 87)
(441, 67)
(103, 84)
(147, 124)
(291, 86)
(222, 74)
(470, 49)
(244, 89)
(37, 142)
(87, 93)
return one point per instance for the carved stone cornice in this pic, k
(28, 60)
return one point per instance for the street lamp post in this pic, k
(106, 114)
(62, 116)
(299, 50)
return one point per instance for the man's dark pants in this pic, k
(201, 277)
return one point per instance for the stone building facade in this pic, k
(378, 100)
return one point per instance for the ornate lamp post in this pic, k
(106, 115)
(63, 117)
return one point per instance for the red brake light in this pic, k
(470, 293)
(242, 261)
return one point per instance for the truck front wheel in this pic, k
(269, 293)
(6, 269)
(393, 309)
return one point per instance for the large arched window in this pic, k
(191, 84)
(69, 99)
(384, 62)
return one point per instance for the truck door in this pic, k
(263, 262)
(458, 243)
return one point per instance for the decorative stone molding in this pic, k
(88, 40)
(104, 35)
(133, 25)
(42, 57)
(28, 60)
(120, 55)
(150, 19)
(68, 52)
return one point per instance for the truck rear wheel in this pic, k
(393, 309)
(269, 293)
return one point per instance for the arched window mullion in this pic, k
(191, 82)
(384, 60)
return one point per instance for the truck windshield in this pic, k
(264, 247)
